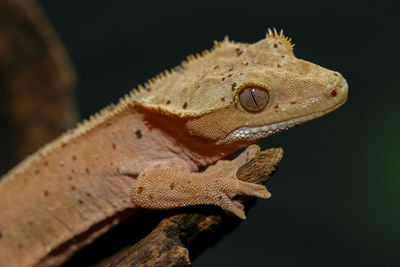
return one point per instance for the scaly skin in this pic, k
(145, 151)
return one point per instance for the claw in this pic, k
(239, 213)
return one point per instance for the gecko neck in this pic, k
(199, 151)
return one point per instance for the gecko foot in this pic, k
(165, 185)
(233, 187)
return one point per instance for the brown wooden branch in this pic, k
(36, 79)
(179, 236)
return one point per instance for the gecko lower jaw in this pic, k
(256, 133)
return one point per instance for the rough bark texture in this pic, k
(36, 80)
(179, 236)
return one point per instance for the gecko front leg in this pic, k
(170, 184)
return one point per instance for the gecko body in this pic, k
(145, 152)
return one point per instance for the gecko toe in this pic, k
(233, 207)
(255, 190)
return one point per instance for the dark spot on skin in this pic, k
(72, 170)
(231, 69)
(87, 170)
(108, 123)
(88, 194)
(37, 171)
(223, 99)
(223, 78)
(63, 145)
(216, 67)
(73, 188)
(179, 205)
(148, 89)
(138, 134)
(168, 102)
(69, 177)
(132, 175)
(188, 182)
(238, 51)
(46, 163)
(230, 102)
(280, 43)
(30, 223)
(293, 102)
(283, 56)
(276, 106)
(229, 75)
(247, 63)
(333, 93)
(112, 163)
(20, 246)
(73, 157)
(279, 66)
(150, 197)
(275, 45)
(140, 190)
(80, 201)
(114, 146)
(172, 185)
(46, 193)
(233, 86)
(185, 105)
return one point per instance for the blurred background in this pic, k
(335, 198)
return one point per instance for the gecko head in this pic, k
(239, 93)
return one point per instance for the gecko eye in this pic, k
(253, 98)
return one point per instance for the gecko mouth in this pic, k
(253, 134)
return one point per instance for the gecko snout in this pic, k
(339, 89)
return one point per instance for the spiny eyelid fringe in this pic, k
(275, 34)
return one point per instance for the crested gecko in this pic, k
(146, 151)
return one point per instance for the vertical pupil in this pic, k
(252, 92)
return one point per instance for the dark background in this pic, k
(335, 199)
